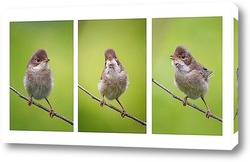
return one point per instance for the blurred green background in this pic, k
(128, 38)
(236, 60)
(203, 38)
(56, 37)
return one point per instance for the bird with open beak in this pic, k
(114, 79)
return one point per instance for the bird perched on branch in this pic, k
(191, 77)
(114, 79)
(38, 80)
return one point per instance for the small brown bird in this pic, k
(114, 79)
(191, 77)
(38, 80)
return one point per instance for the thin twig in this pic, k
(236, 113)
(190, 104)
(41, 106)
(112, 107)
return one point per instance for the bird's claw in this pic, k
(208, 114)
(52, 113)
(184, 102)
(102, 102)
(30, 101)
(123, 113)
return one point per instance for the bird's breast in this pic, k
(38, 83)
(113, 84)
(192, 84)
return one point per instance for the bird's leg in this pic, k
(30, 101)
(185, 101)
(102, 101)
(123, 113)
(51, 113)
(208, 113)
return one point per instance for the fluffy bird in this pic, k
(114, 79)
(191, 77)
(38, 80)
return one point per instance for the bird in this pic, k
(38, 79)
(114, 79)
(191, 77)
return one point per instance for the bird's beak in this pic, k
(46, 60)
(174, 58)
(110, 58)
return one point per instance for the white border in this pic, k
(225, 142)
(149, 76)
(75, 42)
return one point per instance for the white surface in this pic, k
(44, 152)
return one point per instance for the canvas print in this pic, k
(112, 75)
(187, 75)
(41, 76)
(162, 79)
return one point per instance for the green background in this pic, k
(128, 39)
(56, 37)
(236, 59)
(203, 38)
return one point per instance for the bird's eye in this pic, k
(183, 56)
(38, 60)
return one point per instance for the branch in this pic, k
(190, 104)
(112, 107)
(41, 106)
(236, 113)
